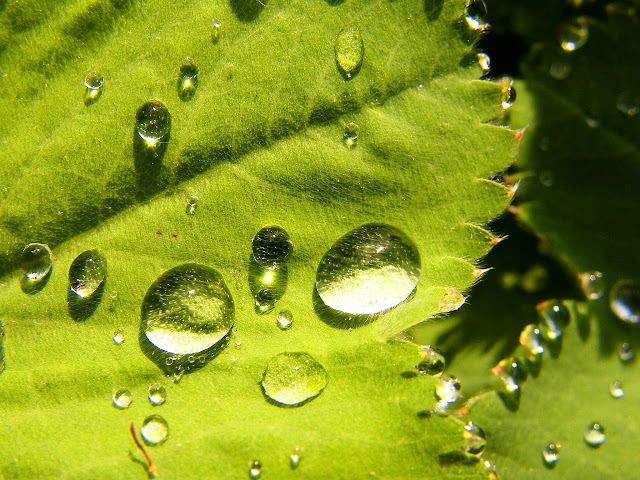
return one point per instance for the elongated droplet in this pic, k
(475, 439)
(448, 389)
(369, 270)
(555, 317)
(154, 430)
(475, 14)
(192, 204)
(188, 79)
(574, 35)
(153, 122)
(349, 51)
(255, 469)
(484, 60)
(295, 458)
(594, 435)
(2, 362)
(628, 104)
(122, 398)
(216, 30)
(592, 284)
(624, 300)
(187, 310)
(284, 320)
(293, 378)
(551, 453)
(36, 264)
(626, 353)
(93, 81)
(508, 95)
(433, 363)
(616, 390)
(351, 131)
(157, 394)
(511, 372)
(271, 247)
(87, 272)
(530, 338)
(118, 337)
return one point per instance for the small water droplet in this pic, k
(511, 372)
(216, 30)
(485, 62)
(155, 430)
(594, 435)
(122, 398)
(36, 264)
(284, 320)
(555, 317)
(592, 284)
(559, 70)
(616, 390)
(551, 453)
(93, 81)
(192, 204)
(349, 51)
(188, 79)
(351, 131)
(118, 337)
(255, 469)
(271, 247)
(574, 35)
(626, 353)
(369, 270)
(293, 378)
(624, 300)
(492, 475)
(475, 437)
(628, 105)
(591, 121)
(157, 394)
(295, 458)
(153, 122)
(530, 338)
(87, 272)
(508, 95)
(448, 389)
(475, 14)
(434, 361)
(177, 374)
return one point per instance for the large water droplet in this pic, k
(349, 51)
(192, 204)
(284, 320)
(475, 13)
(530, 338)
(484, 60)
(511, 372)
(295, 458)
(551, 453)
(36, 264)
(155, 430)
(216, 30)
(616, 390)
(434, 361)
(255, 469)
(118, 337)
(508, 94)
(626, 353)
(122, 398)
(592, 284)
(624, 300)
(293, 378)
(628, 104)
(594, 435)
(187, 310)
(369, 270)
(448, 389)
(271, 247)
(93, 81)
(188, 79)
(157, 394)
(153, 122)
(351, 132)
(87, 272)
(574, 35)
(555, 317)
(475, 439)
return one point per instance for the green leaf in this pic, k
(261, 143)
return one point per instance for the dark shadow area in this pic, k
(247, 10)
(267, 285)
(511, 400)
(424, 414)
(31, 287)
(456, 458)
(337, 319)
(147, 162)
(409, 374)
(80, 309)
(334, 3)
(534, 366)
(433, 8)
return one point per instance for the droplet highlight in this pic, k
(255, 469)
(475, 438)
(157, 394)
(628, 105)
(551, 454)
(433, 363)
(574, 35)
(187, 79)
(192, 205)
(448, 389)
(271, 247)
(531, 339)
(292, 379)
(369, 270)
(349, 51)
(284, 320)
(118, 337)
(122, 398)
(154, 430)
(595, 435)
(153, 122)
(350, 136)
(511, 372)
(87, 273)
(616, 390)
(36, 265)
(475, 14)
(592, 284)
(93, 82)
(484, 60)
(295, 458)
(555, 317)
(216, 30)
(509, 94)
(626, 353)
(624, 300)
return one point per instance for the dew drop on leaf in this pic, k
(628, 105)
(626, 353)
(484, 60)
(93, 81)
(154, 430)
(624, 300)
(293, 378)
(36, 265)
(555, 317)
(271, 247)
(559, 70)
(508, 95)
(118, 337)
(592, 284)
(349, 51)
(574, 35)
(475, 13)
(157, 394)
(87, 273)
(594, 435)
(369, 270)
(188, 79)
(448, 389)
(255, 469)
(153, 122)
(122, 398)
(433, 362)
(551, 454)
(475, 439)
(192, 205)
(351, 131)
(511, 372)
(295, 458)
(616, 390)
(216, 30)
(284, 320)
(530, 338)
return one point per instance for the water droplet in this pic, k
(476, 439)
(178, 372)
(511, 372)
(255, 469)
(216, 31)
(295, 458)
(508, 95)
(628, 105)
(351, 131)
(485, 62)
(2, 362)
(475, 14)
(594, 435)
(369, 270)
(187, 310)
(591, 121)
(188, 79)
(36, 264)
(530, 338)
(155, 430)
(122, 398)
(551, 453)
(293, 378)
(93, 81)
(624, 300)
(349, 51)
(616, 390)
(192, 204)
(626, 353)
(493, 474)
(118, 337)
(271, 247)
(433, 363)
(592, 284)
(448, 389)
(284, 320)
(555, 317)
(87, 272)
(574, 35)
(559, 70)
(157, 394)
(153, 122)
